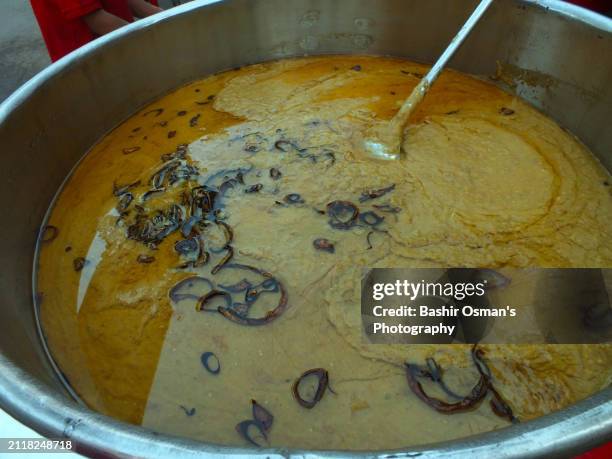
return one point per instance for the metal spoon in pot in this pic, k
(384, 139)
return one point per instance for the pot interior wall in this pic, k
(50, 123)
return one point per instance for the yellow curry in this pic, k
(208, 252)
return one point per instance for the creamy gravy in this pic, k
(487, 181)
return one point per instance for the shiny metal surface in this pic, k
(564, 58)
(386, 139)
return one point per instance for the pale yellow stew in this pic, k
(200, 271)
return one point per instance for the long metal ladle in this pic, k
(384, 139)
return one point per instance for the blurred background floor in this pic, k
(22, 50)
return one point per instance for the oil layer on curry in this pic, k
(200, 270)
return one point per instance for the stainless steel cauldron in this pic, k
(47, 125)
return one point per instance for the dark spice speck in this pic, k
(78, 263)
(275, 174)
(324, 245)
(145, 259)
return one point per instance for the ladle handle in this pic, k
(421, 89)
(457, 41)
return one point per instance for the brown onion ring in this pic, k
(336, 208)
(262, 416)
(176, 297)
(201, 304)
(205, 359)
(498, 405)
(228, 256)
(467, 403)
(227, 231)
(231, 314)
(45, 236)
(323, 382)
(243, 430)
(480, 390)
(373, 194)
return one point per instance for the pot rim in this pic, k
(563, 433)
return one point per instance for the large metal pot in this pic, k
(47, 125)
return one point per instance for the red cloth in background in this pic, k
(62, 26)
(601, 6)
(603, 452)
